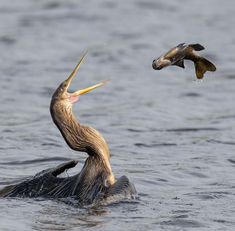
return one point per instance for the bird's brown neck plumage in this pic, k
(80, 137)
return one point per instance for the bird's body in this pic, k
(85, 187)
(96, 181)
(178, 54)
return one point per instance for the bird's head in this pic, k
(62, 95)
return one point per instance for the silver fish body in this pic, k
(178, 54)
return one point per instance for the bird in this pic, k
(95, 183)
(178, 54)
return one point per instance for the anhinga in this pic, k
(96, 181)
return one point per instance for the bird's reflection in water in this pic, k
(57, 217)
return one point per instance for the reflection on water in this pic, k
(56, 218)
(171, 135)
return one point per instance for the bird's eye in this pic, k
(65, 85)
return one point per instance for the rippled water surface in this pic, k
(171, 135)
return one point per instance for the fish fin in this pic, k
(202, 65)
(197, 47)
(179, 63)
(180, 45)
(209, 65)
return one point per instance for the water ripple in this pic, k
(33, 161)
(154, 145)
(193, 129)
(183, 223)
(221, 142)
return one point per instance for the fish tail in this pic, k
(202, 65)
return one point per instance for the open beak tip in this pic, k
(77, 67)
(105, 81)
(86, 90)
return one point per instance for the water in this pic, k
(171, 135)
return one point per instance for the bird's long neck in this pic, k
(80, 137)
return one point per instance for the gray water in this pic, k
(172, 135)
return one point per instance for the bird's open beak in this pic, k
(85, 90)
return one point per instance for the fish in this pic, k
(183, 51)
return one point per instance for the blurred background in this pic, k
(171, 134)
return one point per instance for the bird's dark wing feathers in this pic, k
(122, 186)
(41, 184)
